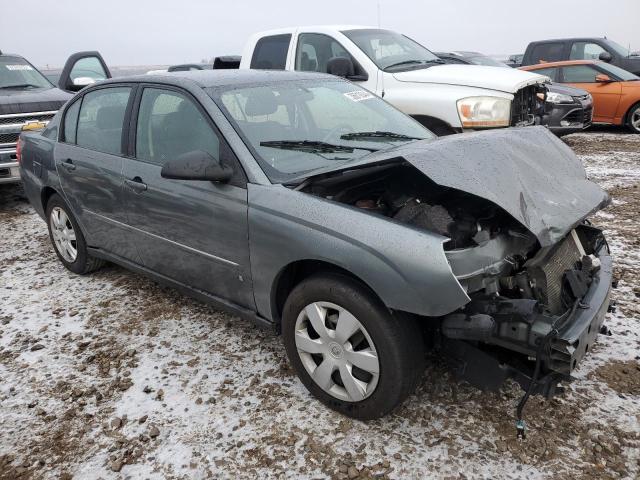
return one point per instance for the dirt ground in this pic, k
(112, 376)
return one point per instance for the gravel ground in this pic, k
(112, 376)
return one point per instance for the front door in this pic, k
(192, 231)
(606, 95)
(89, 163)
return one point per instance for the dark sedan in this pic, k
(309, 205)
(569, 109)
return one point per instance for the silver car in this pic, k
(312, 207)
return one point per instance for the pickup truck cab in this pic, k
(28, 100)
(444, 98)
(589, 48)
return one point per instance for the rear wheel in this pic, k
(348, 349)
(633, 119)
(67, 239)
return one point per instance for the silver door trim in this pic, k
(179, 245)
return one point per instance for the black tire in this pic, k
(83, 263)
(634, 115)
(397, 339)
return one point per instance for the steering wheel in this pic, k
(337, 130)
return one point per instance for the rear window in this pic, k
(547, 52)
(271, 52)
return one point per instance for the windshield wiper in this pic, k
(414, 62)
(378, 134)
(20, 85)
(312, 146)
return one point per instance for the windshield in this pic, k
(16, 72)
(387, 49)
(488, 61)
(618, 72)
(297, 127)
(617, 48)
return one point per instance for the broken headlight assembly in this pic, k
(484, 112)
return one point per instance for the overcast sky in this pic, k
(147, 32)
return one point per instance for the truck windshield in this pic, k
(17, 73)
(617, 48)
(390, 50)
(298, 127)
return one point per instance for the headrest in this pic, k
(261, 102)
(110, 118)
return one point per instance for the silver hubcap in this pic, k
(337, 351)
(64, 237)
(635, 119)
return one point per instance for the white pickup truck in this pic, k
(445, 98)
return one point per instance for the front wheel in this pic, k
(67, 239)
(348, 349)
(633, 119)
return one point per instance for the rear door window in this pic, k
(71, 122)
(547, 52)
(271, 52)
(101, 118)
(579, 74)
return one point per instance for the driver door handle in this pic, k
(136, 184)
(68, 165)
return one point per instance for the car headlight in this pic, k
(478, 112)
(553, 97)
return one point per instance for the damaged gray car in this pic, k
(311, 206)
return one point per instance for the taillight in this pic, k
(19, 149)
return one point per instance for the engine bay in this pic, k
(403, 194)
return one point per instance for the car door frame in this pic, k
(243, 271)
(592, 88)
(64, 82)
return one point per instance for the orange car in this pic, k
(616, 92)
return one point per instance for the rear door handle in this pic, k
(68, 165)
(136, 184)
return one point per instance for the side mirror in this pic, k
(602, 78)
(344, 67)
(82, 82)
(605, 57)
(196, 165)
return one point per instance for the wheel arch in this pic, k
(436, 125)
(628, 112)
(295, 272)
(46, 193)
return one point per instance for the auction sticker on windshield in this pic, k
(359, 95)
(19, 67)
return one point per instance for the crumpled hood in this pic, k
(528, 172)
(508, 80)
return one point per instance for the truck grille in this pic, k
(11, 125)
(526, 105)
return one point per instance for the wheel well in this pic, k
(46, 194)
(437, 126)
(626, 115)
(294, 273)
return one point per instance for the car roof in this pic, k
(224, 77)
(319, 28)
(560, 64)
(574, 39)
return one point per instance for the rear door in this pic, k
(83, 69)
(547, 52)
(192, 231)
(89, 162)
(606, 96)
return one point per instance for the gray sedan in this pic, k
(310, 206)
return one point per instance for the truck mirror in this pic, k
(341, 67)
(605, 57)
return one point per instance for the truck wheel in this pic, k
(633, 119)
(348, 349)
(67, 238)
